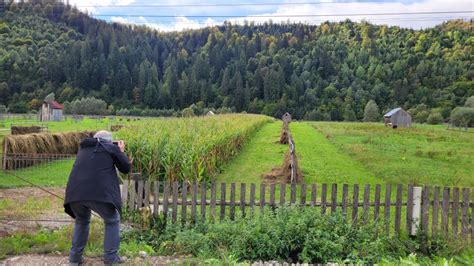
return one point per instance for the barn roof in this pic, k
(393, 111)
(55, 105)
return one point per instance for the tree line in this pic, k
(325, 72)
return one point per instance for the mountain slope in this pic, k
(324, 72)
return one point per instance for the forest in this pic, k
(325, 72)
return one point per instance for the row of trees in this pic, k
(327, 72)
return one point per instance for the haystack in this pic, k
(115, 128)
(21, 130)
(284, 134)
(27, 150)
(283, 174)
(45, 143)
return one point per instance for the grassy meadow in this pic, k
(421, 155)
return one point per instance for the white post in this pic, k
(416, 210)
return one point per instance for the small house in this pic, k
(397, 118)
(210, 113)
(286, 118)
(51, 111)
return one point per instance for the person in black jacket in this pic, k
(93, 185)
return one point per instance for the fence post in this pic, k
(416, 210)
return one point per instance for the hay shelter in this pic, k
(51, 111)
(397, 118)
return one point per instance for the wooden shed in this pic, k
(397, 118)
(51, 111)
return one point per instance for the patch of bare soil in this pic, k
(21, 205)
(63, 260)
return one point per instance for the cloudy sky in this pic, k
(168, 15)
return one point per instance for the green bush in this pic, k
(293, 234)
(435, 118)
(462, 117)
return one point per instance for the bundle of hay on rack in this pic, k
(45, 143)
(115, 128)
(21, 130)
(26, 150)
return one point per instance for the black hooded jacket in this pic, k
(93, 176)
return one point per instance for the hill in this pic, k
(326, 72)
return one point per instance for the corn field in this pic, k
(184, 149)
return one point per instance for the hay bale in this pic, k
(115, 128)
(45, 143)
(21, 150)
(21, 130)
(283, 174)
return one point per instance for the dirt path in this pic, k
(19, 205)
(63, 260)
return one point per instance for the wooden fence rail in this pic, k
(432, 209)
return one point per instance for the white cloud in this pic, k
(283, 13)
(179, 23)
(413, 21)
(93, 5)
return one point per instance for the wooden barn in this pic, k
(51, 111)
(397, 118)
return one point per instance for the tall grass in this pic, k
(180, 149)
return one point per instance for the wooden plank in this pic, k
(355, 203)
(303, 194)
(242, 198)
(434, 217)
(472, 222)
(132, 194)
(203, 200)
(223, 191)
(252, 198)
(377, 202)
(232, 201)
(388, 194)
(398, 209)
(125, 193)
(262, 196)
(140, 194)
(409, 208)
(282, 194)
(174, 213)
(313, 194)
(194, 187)
(465, 212)
(213, 201)
(272, 195)
(156, 197)
(146, 197)
(345, 192)
(333, 198)
(455, 211)
(324, 189)
(184, 201)
(445, 210)
(425, 208)
(365, 205)
(166, 188)
(293, 193)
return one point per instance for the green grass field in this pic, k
(422, 155)
(328, 152)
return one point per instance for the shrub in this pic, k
(293, 233)
(462, 117)
(371, 112)
(469, 102)
(86, 106)
(435, 118)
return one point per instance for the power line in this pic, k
(285, 16)
(226, 4)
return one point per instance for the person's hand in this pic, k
(121, 145)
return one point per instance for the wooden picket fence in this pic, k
(432, 209)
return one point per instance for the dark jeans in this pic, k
(111, 217)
